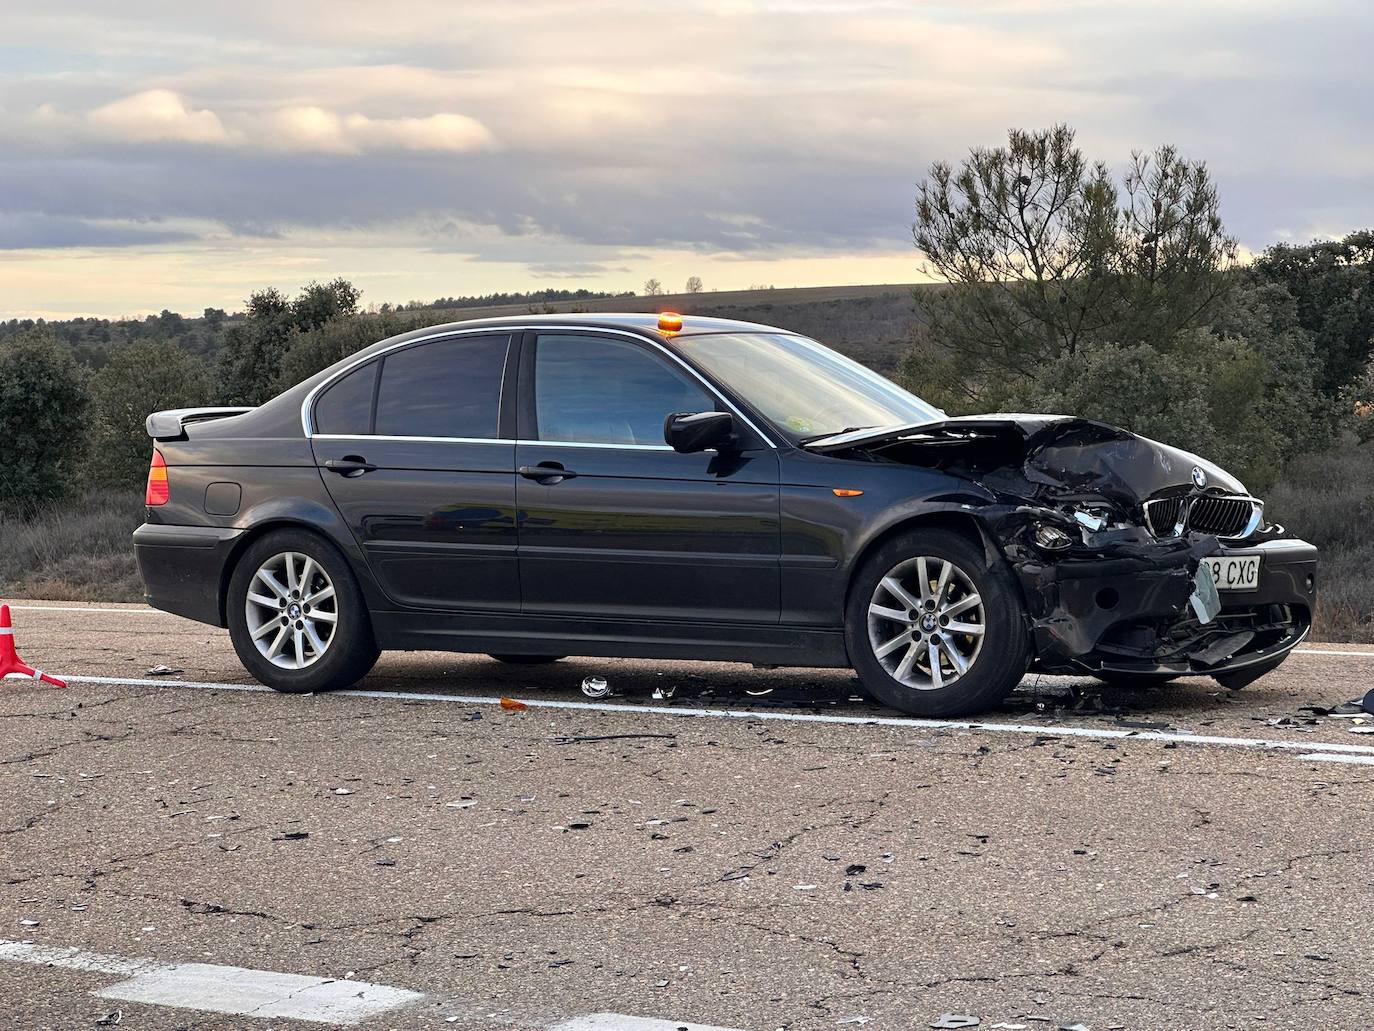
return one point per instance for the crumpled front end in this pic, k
(1113, 536)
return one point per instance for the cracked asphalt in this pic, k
(730, 872)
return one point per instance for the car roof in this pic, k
(644, 322)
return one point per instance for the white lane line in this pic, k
(621, 1022)
(243, 992)
(1332, 651)
(1041, 730)
(1331, 757)
(60, 608)
(220, 989)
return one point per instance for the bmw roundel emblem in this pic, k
(1199, 476)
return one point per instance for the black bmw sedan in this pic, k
(694, 488)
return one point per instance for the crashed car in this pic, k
(660, 487)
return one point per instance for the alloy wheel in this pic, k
(292, 609)
(926, 623)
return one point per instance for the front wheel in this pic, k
(935, 628)
(296, 615)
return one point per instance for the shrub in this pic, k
(140, 378)
(43, 403)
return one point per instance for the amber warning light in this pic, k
(669, 322)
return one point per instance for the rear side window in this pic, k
(600, 391)
(346, 407)
(450, 388)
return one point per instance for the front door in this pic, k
(409, 448)
(616, 524)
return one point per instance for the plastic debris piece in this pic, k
(662, 694)
(511, 705)
(462, 803)
(164, 671)
(1074, 1027)
(110, 1019)
(854, 869)
(343, 791)
(948, 1020)
(594, 687)
(759, 694)
(860, 1020)
(292, 836)
(28, 923)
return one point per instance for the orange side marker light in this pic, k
(511, 705)
(845, 492)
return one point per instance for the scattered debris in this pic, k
(164, 671)
(860, 1020)
(582, 738)
(110, 1019)
(663, 694)
(759, 694)
(596, 687)
(948, 1020)
(28, 923)
(511, 705)
(343, 791)
(854, 869)
(462, 803)
(293, 836)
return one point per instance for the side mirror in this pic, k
(687, 433)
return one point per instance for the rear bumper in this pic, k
(182, 568)
(1151, 627)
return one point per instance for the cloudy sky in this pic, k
(160, 153)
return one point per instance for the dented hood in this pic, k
(1057, 451)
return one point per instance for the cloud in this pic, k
(156, 115)
(313, 128)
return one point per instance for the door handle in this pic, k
(349, 466)
(546, 473)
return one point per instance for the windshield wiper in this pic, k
(821, 436)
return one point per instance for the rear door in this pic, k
(411, 449)
(614, 523)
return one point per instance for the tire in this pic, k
(996, 659)
(350, 649)
(528, 660)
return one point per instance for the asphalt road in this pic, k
(182, 852)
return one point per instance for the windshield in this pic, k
(805, 389)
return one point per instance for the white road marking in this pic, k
(621, 1022)
(1040, 730)
(267, 993)
(1333, 757)
(221, 989)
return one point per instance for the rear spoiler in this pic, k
(171, 425)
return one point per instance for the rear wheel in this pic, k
(934, 628)
(528, 660)
(296, 615)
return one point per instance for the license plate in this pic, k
(1234, 572)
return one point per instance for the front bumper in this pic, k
(1129, 612)
(182, 568)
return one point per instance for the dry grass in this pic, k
(79, 550)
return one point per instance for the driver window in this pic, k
(594, 390)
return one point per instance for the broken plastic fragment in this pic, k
(948, 1020)
(511, 705)
(662, 694)
(596, 687)
(164, 671)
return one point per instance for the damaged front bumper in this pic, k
(1122, 607)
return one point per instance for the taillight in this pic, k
(158, 492)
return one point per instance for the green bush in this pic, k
(143, 377)
(43, 403)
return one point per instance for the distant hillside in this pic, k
(872, 324)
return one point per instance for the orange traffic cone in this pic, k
(10, 662)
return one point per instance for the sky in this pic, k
(165, 154)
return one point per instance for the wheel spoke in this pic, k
(896, 615)
(945, 569)
(888, 647)
(936, 677)
(962, 605)
(904, 667)
(265, 629)
(314, 638)
(307, 571)
(976, 629)
(298, 638)
(323, 594)
(263, 600)
(321, 616)
(956, 658)
(923, 574)
(291, 581)
(271, 581)
(895, 588)
(275, 647)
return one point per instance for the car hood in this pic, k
(1060, 452)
